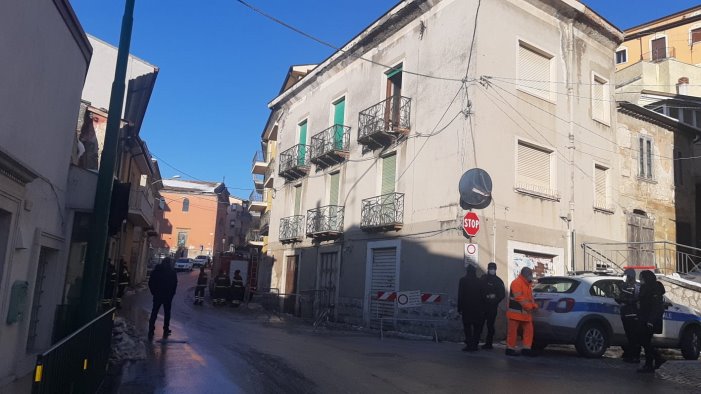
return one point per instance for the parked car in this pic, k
(183, 264)
(581, 310)
(201, 260)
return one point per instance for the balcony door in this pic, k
(389, 173)
(302, 152)
(659, 49)
(339, 118)
(393, 97)
(334, 185)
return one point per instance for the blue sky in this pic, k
(220, 64)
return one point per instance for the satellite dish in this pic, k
(475, 189)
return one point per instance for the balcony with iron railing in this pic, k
(330, 146)
(294, 162)
(265, 223)
(259, 164)
(325, 223)
(256, 202)
(659, 54)
(382, 213)
(268, 181)
(384, 122)
(254, 238)
(291, 229)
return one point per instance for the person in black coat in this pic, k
(202, 280)
(471, 301)
(494, 291)
(162, 283)
(628, 292)
(650, 311)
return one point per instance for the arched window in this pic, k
(186, 204)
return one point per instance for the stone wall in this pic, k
(682, 292)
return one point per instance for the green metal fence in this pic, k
(78, 363)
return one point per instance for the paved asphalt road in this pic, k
(225, 350)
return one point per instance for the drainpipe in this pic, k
(571, 147)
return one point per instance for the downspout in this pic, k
(571, 147)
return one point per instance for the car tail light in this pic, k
(564, 305)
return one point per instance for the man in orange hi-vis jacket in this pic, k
(519, 314)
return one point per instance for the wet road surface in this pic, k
(226, 350)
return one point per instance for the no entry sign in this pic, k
(471, 224)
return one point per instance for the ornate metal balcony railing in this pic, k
(325, 221)
(291, 228)
(330, 146)
(254, 236)
(258, 180)
(385, 119)
(255, 197)
(259, 163)
(294, 162)
(385, 212)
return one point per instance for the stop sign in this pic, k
(471, 224)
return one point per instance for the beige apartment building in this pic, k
(373, 141)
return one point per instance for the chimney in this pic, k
(683, 86)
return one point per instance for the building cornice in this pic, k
(15, 169)
(66, 11)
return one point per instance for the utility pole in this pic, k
(94, 269)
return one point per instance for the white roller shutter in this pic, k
(600, 186)
(534, 71)
(533, 166)
(384, 278)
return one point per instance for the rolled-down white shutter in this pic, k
(533, 166)
(600, 186)
(534, 71)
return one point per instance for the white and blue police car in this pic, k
(581, 310)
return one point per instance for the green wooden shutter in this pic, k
(333, 188)
(298, 200)
(303, 142)
(389, 169)
(339, 115)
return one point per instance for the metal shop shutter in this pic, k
(534, 71)
(384, 278)
(600, 185)
(533, 166)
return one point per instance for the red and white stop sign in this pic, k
(471, 224)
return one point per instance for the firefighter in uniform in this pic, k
(221, 287)
(520, 313)
(110, 282)
(122, 281)
(237, 289)
(201, 284)
(629, 291)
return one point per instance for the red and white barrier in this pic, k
(386, 295)
(426, 298)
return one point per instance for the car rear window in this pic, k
(555, 285)
(183, 260)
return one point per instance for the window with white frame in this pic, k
(622, 56)
(534, 71)
(645, 157)
(602, 195)
(534, 169)
(600, 108)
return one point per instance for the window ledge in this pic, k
(541, 195)
(602, 121)
(547, 98)
(648, 180)
(605, 210)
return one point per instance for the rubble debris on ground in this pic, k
(126, 343)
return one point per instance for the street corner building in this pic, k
(363, 152)
(40, 101)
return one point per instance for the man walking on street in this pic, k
(471, 307)
(628, 299)
(520, 313)
(162, 283)
(494, 292)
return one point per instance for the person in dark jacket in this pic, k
(221, 287)
(110, 284)
(471, 306)
(201, 284)
(122, 281)
(237, 289)
(650, 311)
(494, 292)
(628, 299)
(162, 283)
